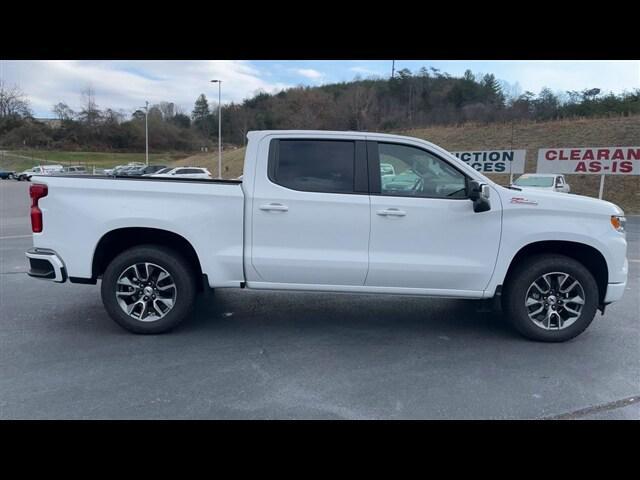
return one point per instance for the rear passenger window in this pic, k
(313, 165)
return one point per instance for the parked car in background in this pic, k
(544, 181)
(39, 170)
(7, 174)
(145, 170)
(387, 169)
(74, 170)
(119, 168)
(164, 170)
(186, 172)
(123, 171)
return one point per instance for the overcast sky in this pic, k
(125, 85)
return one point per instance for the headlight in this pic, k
(618, 222)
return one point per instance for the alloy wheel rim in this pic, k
(554, 301)
(146, 292)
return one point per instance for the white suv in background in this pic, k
(39, 170)
(543, 181)
(186, 172)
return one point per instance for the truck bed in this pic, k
(79, 210)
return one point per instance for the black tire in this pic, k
(519, 281)
(178, 268)
(11, 176)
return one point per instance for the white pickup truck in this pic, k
(314, 211)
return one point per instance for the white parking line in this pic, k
(15, 236)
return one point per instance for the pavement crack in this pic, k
(576, 414)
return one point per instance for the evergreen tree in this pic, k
(492, 90)
(200, 114)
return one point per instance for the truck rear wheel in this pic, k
(148, 289)
(550, 298)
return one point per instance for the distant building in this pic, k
(51, 122)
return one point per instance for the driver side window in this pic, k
(411, 172)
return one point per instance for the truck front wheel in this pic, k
(550, 298)
(148, 289)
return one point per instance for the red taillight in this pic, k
(36, 192)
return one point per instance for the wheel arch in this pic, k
(118, 240)
(592, 259)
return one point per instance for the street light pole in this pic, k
(146, 131)
(219, 82)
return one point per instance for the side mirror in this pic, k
(479, 195)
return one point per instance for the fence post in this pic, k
(601, 186)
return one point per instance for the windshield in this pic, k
(534, 181)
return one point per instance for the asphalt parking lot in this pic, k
(300, 355)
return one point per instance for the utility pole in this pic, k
(219, 82)
(146, 131)
(393, 67)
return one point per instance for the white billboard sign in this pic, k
(494, 161)
(594, 161)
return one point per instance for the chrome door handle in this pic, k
(391, 212)
(276, 207)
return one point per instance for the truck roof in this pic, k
(262, 133)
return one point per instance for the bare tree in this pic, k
(361, 101)
(62, 111)
(168, 110)
(113, 116)
(13, 102)
(90, 114)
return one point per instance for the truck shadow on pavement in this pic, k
(223, 310)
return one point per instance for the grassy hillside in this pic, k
(590, 132)
(232, 162)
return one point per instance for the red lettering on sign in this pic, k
(562, 156)
(551, 155)
(595, 167)
(618, 154)
(581, 167)
(626, 167)
(588, 155)
(575, 154)
(634, 154)
(603, 154)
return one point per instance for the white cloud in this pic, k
(365, 71)
(576, 75)
(309, 73)
(128, 84)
